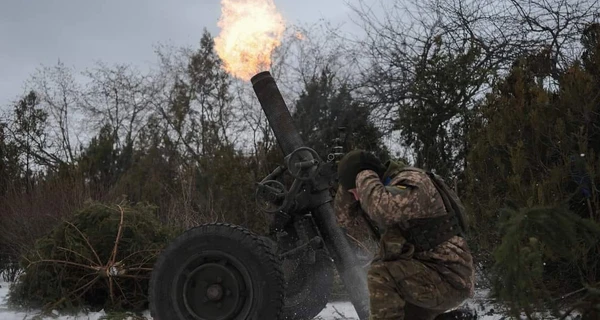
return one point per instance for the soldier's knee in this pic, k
(378, 271)
(385, 300)
(380, 282)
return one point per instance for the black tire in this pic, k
(230, 272)
(308, 287)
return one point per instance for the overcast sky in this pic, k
(80, 32)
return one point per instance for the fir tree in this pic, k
(532, 174)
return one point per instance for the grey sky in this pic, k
(80, 32)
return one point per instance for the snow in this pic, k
(333, 311)
(345, 310)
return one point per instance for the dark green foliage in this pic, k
(10, 166)
(229, 175)
(534, 148)
(527, 146)
(535, 241)
(99, 257)
(590, 40)
(29, 132)
(324, 106)
(591, 306)
(102, 163)
(435, 115)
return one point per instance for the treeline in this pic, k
(502, 98)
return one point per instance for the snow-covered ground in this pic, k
(333, 311)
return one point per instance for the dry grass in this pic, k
(25, 217)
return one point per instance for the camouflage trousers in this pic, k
(408, 289)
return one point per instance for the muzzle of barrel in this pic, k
(277, 112)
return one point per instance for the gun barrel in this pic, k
(339, 248)
(277, 113)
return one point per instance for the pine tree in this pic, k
(10, 167)
(324, 106)
(533, 168)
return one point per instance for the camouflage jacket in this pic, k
(417, 198)
(350, 216)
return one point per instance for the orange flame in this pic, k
(250, 31)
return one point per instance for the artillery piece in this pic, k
(225, 272)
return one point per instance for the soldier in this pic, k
(423, 266)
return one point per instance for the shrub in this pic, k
(100, 257)
(541, 247)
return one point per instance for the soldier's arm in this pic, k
(387, 207)
(342, 205)
(348, 217)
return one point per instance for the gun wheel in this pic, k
(217, 272)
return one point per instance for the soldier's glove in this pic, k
(355, 162)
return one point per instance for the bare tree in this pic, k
(306, 52)
(119, 96)
(195, 99)
(405, 44)
(58, 99)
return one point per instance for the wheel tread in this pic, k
(265, 251)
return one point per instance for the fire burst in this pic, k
(250, 31)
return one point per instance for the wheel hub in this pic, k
(215, 290)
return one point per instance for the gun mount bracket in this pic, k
(314, 243)
(271, 196)
(300, 166)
